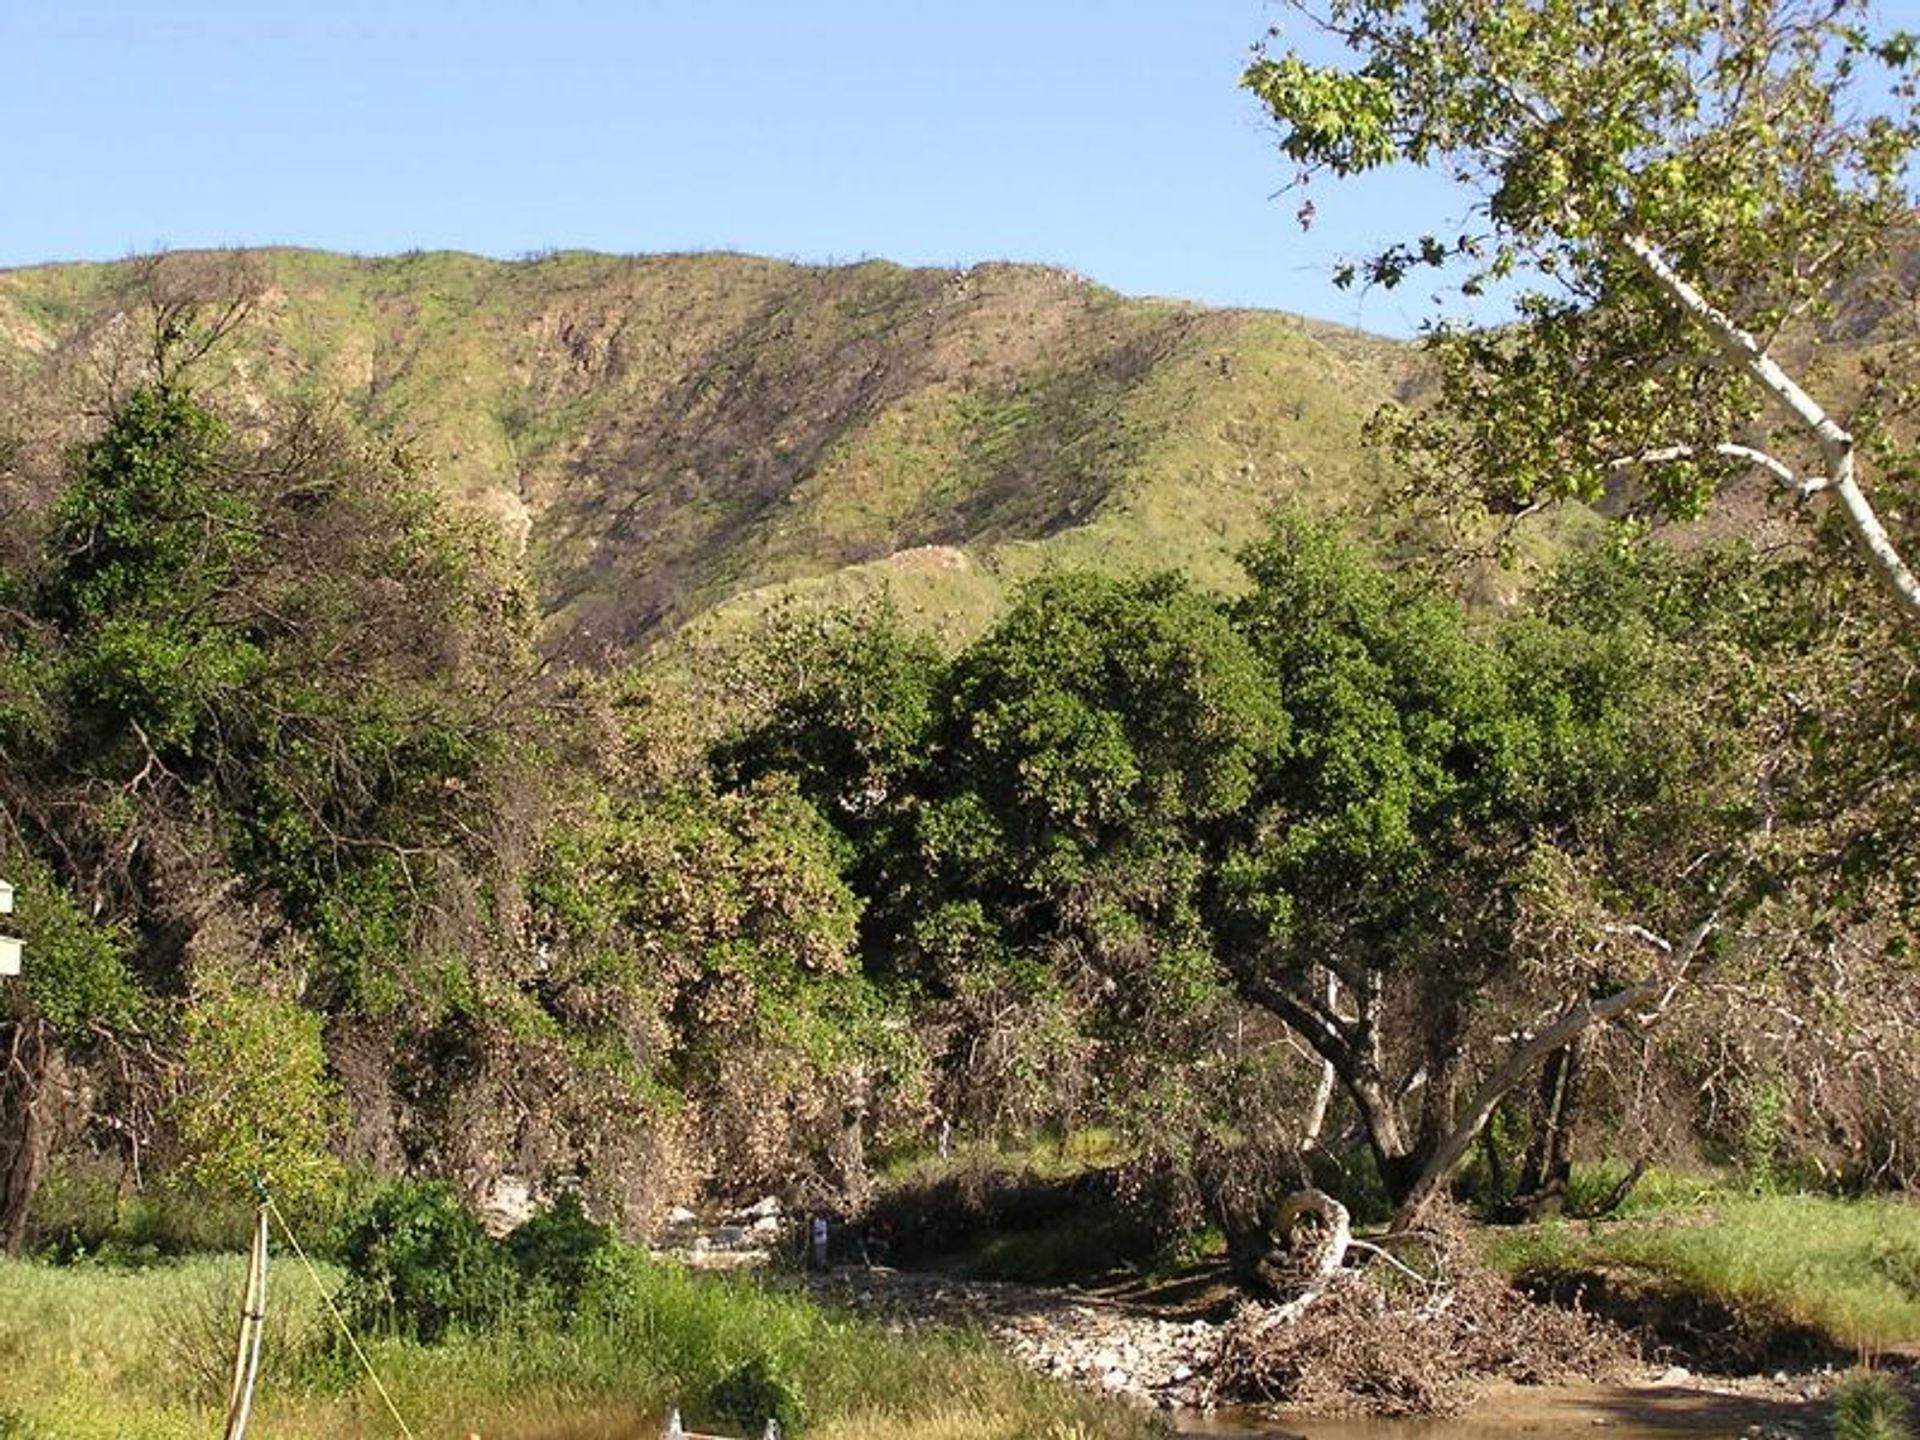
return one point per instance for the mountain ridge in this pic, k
(664, 435)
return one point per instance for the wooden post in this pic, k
(253, 1327)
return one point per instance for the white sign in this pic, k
(9, 955)
(6, 898)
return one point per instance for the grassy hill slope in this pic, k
(668, 434)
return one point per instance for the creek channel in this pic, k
(1094, 1339)
(1621, 1412)
(1617, 1412)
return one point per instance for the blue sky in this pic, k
(1104, 135)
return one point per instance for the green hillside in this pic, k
(665, 434)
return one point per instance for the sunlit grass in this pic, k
(1849, 1269)
(89, 1350)
(1869, 1406)
(92, 1353)
(1042, 1157)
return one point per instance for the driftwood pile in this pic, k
(1408, 1329)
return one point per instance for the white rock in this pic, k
(507, 1205)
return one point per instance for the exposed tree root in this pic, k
(1307, 1243)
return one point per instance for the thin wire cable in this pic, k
(341, 1321)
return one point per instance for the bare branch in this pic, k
(1779, 469)
(1656, 991)
(1836, 442)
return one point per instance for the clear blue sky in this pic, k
(1104, 135)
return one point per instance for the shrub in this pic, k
(554, 1252)
(759, 1390)
(419, 1263)
(252, 1101)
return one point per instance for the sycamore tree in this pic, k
(1680, 193)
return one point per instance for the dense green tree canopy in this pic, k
(252, 708)
(1132, 798)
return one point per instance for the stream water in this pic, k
(1623, 1413)
(1308, 1428)
(1459, 1428)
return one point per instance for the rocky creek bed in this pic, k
(1122, 1349)
(1131, 1351)
(1137, 1351)
(1164, 1355)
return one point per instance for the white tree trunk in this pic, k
(1836, 444)
(1324, 1262)
(1316, 1121)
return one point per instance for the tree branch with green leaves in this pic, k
(1672, 190)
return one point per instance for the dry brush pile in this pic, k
(1408, 1333)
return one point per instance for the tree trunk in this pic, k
(848, 1151)
(1573, 1021)
(1837, 446)
(24, 1132)
(1413, 1172)
(1496, 1166)
(1316, 1121)
(1292, 1261)
(1542, 1187)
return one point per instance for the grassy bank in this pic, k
(90, 1352)
(1844, 1271)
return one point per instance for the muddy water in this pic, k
(1508, 1413)
(1629, 1412)
(1460, 1428)
(1622, 1412)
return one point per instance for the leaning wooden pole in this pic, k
(253, 1328)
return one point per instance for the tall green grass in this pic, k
(93, 1353)
(1849, 1269)
(1869, 1406)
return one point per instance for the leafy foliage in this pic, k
(152, 541)
(306, 836)
(79, 978)
(252, 1103)
(554, 1252)
(258, 722)
(420, 1264)
(1084, 743)
(1135, 800)
(1671, 194)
